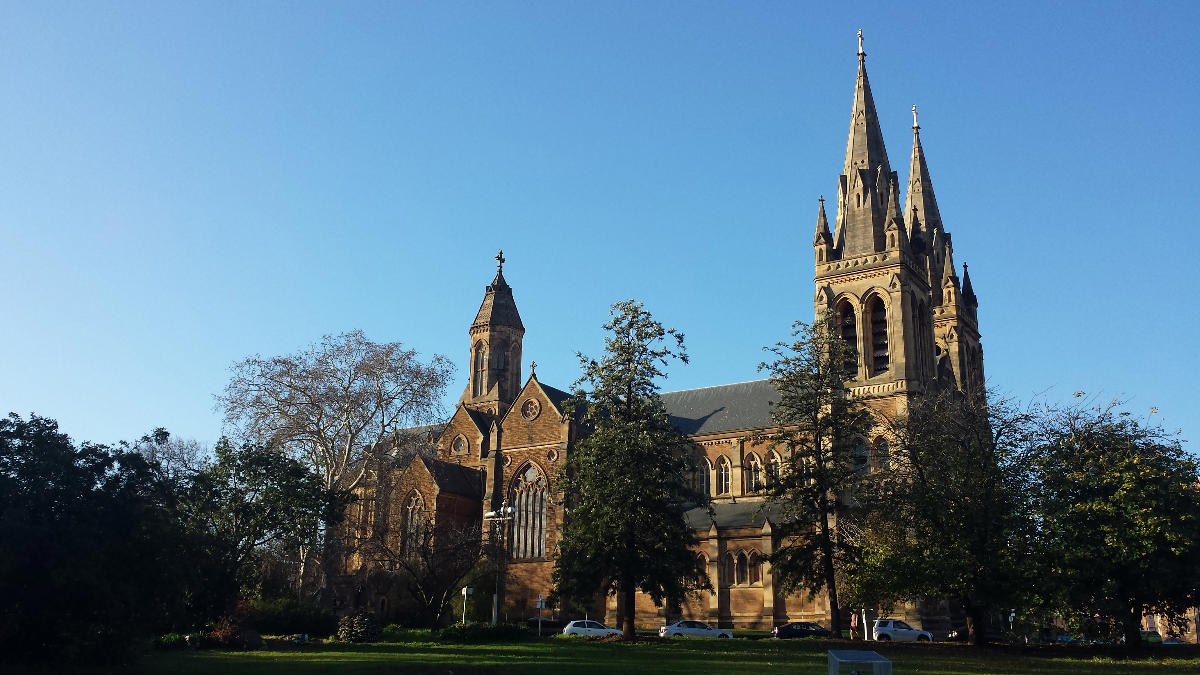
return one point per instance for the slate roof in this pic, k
(731, 515)
(454, 478)
(499, 308)
(417, 439)
(556, 396)
(728, 407)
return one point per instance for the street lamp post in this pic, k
(498, 519)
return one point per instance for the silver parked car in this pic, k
(693, 629)
(893, 629)
(589, 627)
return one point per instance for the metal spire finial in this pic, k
(860, 46)
(500, 260)
(915, 125)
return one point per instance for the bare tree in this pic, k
(333, 404)
(429, 564)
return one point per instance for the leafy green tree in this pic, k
(250, 498)
(820, 426)
(948, 517)
(1119, 504)
(91, 556)
(624, 480)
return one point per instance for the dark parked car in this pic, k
(800, 629)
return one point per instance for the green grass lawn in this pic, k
(757, 657)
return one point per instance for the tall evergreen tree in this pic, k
(820, 428)
(624, 480)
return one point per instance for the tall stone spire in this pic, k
(920, 201)
(864, 147)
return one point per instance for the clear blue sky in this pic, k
(183, 184)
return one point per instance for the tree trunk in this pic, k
(835, 610)
(976, 618)
(628, 591)
(1131, 626)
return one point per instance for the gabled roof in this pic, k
(454, 478)
(729, 407)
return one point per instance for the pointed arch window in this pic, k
(848, 327)
(703, 483)
(877, 313)
(861, 464)
(414, 522)
(722, 476)
(754, 477)
(883, 454)
(478, 370)
(755, 571)
(742, 568)
(773, 468)
(528, 498)
(727, 569)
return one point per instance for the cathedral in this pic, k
(884, 269)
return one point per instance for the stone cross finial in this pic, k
(915, 117)
(533, 368)
(500, 260)
(860, 48)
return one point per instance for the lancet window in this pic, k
(754, 477)
(883, 455)
(414, 522)
(479, 370)
(723, 476)
(703, 482)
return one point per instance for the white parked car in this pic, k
(693, 629)
(892, 629)
(588, 627)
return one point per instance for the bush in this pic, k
(170, 641)
(394, 632)
(482, 632)
(286, 616)
(361, 627)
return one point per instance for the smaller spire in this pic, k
(823, 236)
(968, 293)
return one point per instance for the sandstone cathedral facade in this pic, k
(884, 269)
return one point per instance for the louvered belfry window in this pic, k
(849, 330)
(529, 516)
(879, 336)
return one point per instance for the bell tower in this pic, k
(886, 272)
(495, 348)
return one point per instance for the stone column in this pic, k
(768, 579)
(714, 575)
(737, 484)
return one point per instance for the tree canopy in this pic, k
(1119, 505)
(819, 428)
(624, 480)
